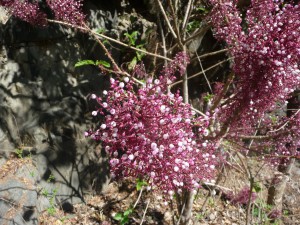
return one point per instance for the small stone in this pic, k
(168, 216)
(212, 216)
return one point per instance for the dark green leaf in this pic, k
(124, 220)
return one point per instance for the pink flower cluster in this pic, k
(266, 52)
(67, 10)
(242, 197)
(148, 134)
(25, 10)
(64, 10)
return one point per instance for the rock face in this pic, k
(18, 193)
(45, 109)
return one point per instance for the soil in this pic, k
(210, 206)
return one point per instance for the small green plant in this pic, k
(100, 31)
(132, 41)
(123, 218)
(45, 193)
(200, 215)
(286, 212)
(132, 38)
(208, 97)
(19, 153)
(256, 187)
(193, 25)
(211, 202)
(202, 10)
(274, 119)
(261, 211)
(50, 178)
(50, 196)
(51, 209)
(140, 184)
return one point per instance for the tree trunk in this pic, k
(187, 208)
(278, 185)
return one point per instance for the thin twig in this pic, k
(217, 186)
(209, 68)
(138, 199)
(212, 53)
(144, 214)
(175, 19)
(163, 39)
(224, 91)
(281, 127)
(250, 137)
(200, 73)
(207, 81)
(256, 131)
(200, 32)
(197, 111)
(187, 40)
(111, 39)
(234, 167)
(187, 14)
(166, 18)
(248, 211)
(181, 213)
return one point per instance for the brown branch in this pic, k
(111, 39)
(200, 73)
(211, 54)
(179, 39)
(166, 18)
(187, 14)
(224, 91)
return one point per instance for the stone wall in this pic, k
(45, 109)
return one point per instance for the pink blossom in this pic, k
(150, 144)
(265, 51)
(67, 10)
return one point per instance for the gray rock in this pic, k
(44, 107)
(18, 195)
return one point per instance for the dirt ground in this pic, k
(210, 207)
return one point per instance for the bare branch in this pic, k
(187, 14)
(200, 73)
(212, 53)
(144, 214)
(208, 83)
(166, 18)
(111, 39)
